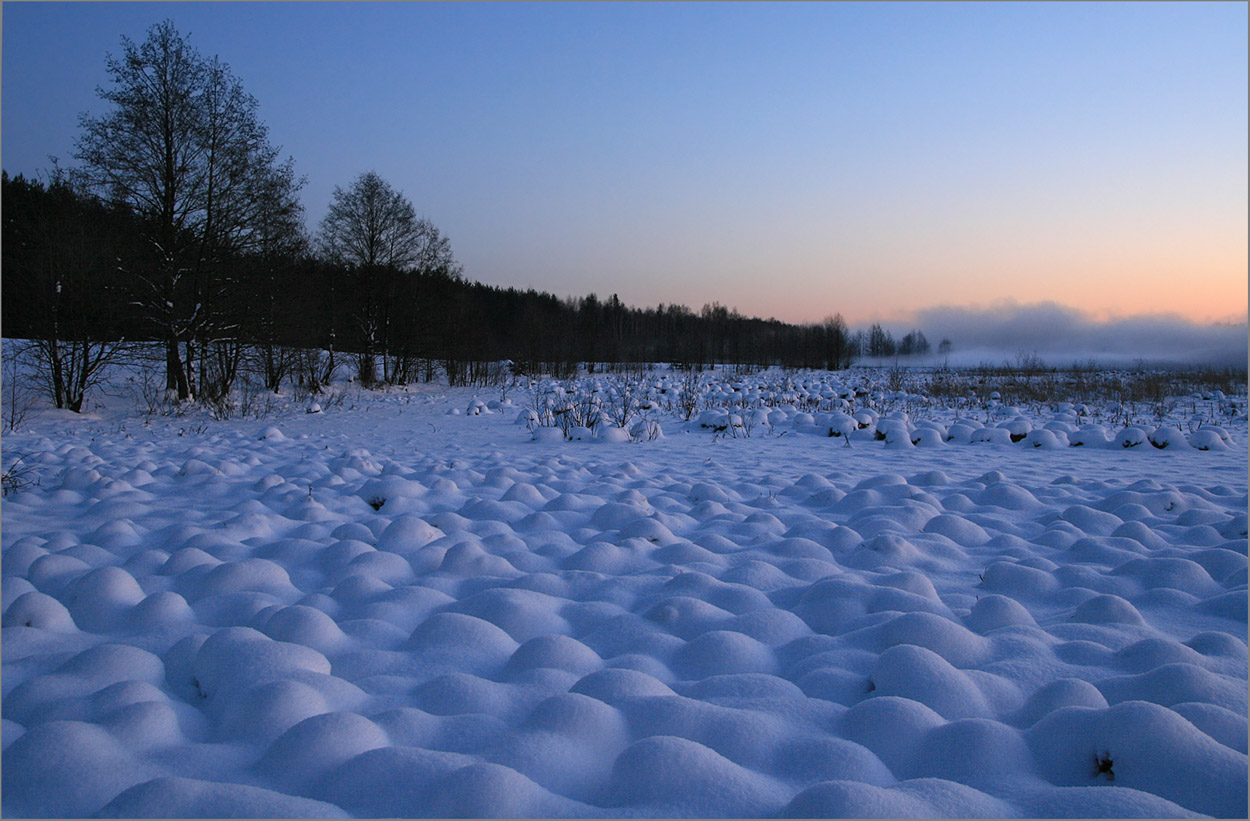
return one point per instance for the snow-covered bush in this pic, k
(1130, 437)
(1207, 439)
(1168, 437)
(1090, 436)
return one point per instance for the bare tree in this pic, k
(880, 342)
(374, 231)
(59, 247)
(837, 343)
(371, 225)
(279, 242)
(16, 395)
(182, 145)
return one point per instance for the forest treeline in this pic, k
(182, 225)
(73, 265)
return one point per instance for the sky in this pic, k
(880, 160)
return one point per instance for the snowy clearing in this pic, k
(800, 601)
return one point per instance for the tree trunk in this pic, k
(366, 369)
(175, 374)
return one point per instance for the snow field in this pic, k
(428, 614)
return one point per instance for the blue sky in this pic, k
(791, 160)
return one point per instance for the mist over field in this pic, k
(1060, 335)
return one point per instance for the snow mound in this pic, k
(675, 776)
(1141, 746)
(385, 611)
(173, 797)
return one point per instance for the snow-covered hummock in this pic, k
(424, 610)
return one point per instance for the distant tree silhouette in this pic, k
(880, 342)
(913, 344)
(837, 343)
(373, 231)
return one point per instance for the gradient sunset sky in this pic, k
(790, 160)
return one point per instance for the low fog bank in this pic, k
(1059, 336)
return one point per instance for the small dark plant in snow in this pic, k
(250, 400)
(507, 381)
(334, 399)
(150, 388)
(578, 411)
(542, 416)
(895, 380)
(730, 427)
(622, 404)
(576, 407)
(20, 402)
(18, 474)
(749, 421)
(256, 401)
(314, 370)
(645, 430)
(688, 398)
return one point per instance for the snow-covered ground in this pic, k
(405, 605)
